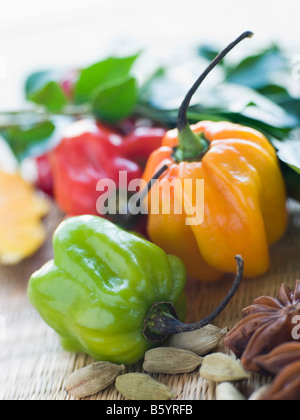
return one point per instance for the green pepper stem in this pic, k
(150, 184)
(162, 321)
(190, 145)
(131, 218)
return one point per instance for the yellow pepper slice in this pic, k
(21, 209)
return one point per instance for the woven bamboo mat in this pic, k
(34, 367)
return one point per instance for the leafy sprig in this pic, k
(255, 92)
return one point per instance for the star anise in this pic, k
(282, 356)
(266, 324)
(283, 361)
(286, 386)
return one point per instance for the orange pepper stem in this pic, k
(191, 145)
(162, 321)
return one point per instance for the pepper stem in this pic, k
(130, 219)
(150, 184)
(192, 146)
(162, 321)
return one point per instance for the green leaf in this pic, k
(145, 90)
(114, 102)
(245, 106)
(100, 74)
(43, 89)
(289, 152)
(209, 53)
(256, 71)
(38, 80)
(274, 91)
(292, 181)
(289, 157)
(51, 96)
(21, 140)
(292, 106)
(268, 130)
(281, 96)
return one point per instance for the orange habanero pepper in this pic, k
(244, 194)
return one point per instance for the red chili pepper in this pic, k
(140, 143)
(92, 152)
(44, 174)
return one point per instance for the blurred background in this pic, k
(37, 35)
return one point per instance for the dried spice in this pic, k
(279, 358)
(283, 361)
(140, 387)
(219, 367)
(93, 378)
(201, 341)
(286, 386)
(259, 393)
(265, 325)
(171, 360)
(227, 392)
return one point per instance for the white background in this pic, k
(37, 34)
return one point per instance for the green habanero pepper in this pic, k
(112, 294)
(100, 287)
